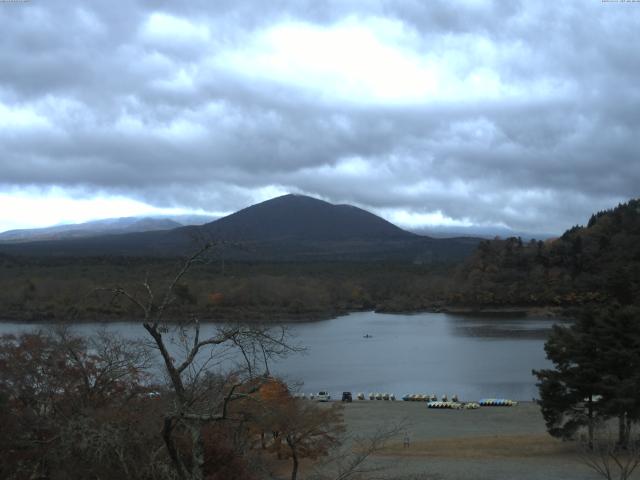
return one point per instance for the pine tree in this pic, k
(618, 333)
(596, 374)
(569, 393)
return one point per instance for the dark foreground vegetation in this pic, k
(88, 408)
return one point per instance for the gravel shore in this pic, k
(490, 443)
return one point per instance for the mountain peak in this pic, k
(290, 227)
(301, 217)
(293, 198)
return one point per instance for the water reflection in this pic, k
(503, 326)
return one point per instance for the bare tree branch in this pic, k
(608, 459)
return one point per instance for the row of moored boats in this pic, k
(431, 400)
(421, 397)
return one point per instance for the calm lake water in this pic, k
(470, 356)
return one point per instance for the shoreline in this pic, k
(275, 317)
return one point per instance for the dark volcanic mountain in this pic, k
(287, 228)
(297, 217)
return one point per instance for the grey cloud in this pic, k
(117, 125)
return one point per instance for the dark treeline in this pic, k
(592, 265)
(62, 288)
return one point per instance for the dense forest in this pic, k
(595, 264)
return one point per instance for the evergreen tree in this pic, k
(618, 334)
(569, 393)
(596, 374)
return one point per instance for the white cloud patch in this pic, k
(380, 60)
(24, 208)
(417, 220)
(166, 29)
(21, 117)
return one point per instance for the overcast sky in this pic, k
(519, 114)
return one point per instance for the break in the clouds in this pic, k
(518, 114)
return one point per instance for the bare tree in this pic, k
(608, 458)
(200, 398)
(302, 429)
(353, 461)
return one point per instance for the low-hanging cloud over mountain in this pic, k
(520, 114)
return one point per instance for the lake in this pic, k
(471, 356)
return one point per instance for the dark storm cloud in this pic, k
(154, 100)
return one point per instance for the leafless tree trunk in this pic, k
(294, 458)
(195, 403)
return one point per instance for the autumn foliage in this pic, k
(75, 409)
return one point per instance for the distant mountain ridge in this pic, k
(286, 228)
(480, 232)
(101, 227)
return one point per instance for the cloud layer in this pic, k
(522, 114)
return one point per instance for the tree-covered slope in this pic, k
(598, 263)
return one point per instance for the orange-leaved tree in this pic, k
(303, 429)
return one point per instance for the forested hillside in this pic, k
(598, 263)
